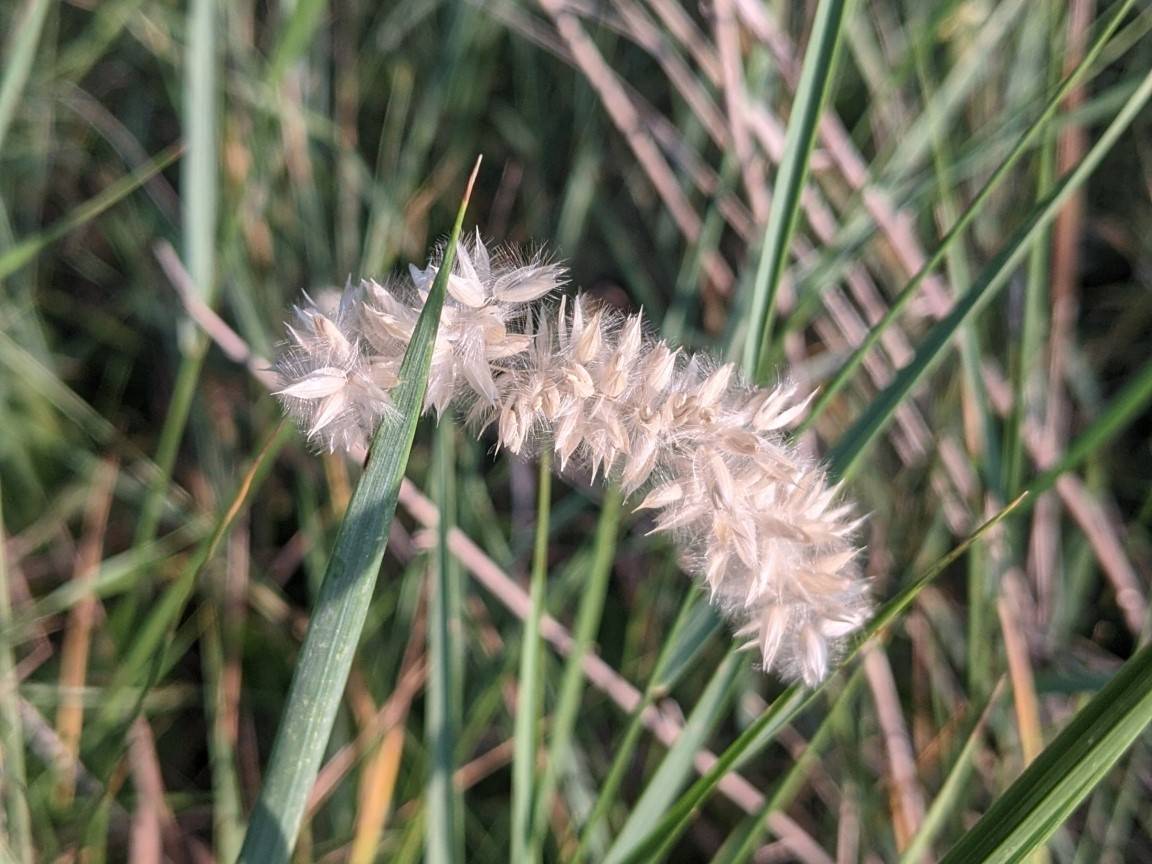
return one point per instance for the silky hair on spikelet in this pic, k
(755, 522)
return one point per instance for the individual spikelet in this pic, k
(757, 523)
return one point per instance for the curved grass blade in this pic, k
(786, 707)
(530, 687)
(199, 178)
(144, 659)
(692, 629)
(572, 684)
(1124, 408)
(676, 766)
(20, 253)
(297, 35)
(950, 796)
(812, 90)
(1033, 807)
(18, 843)
(326, 656)
(442, 721)
(749, 835)
(21, 50)
(901, 301)
(843, 457)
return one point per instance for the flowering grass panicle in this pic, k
(757, 523)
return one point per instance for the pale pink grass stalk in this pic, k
(754, 521)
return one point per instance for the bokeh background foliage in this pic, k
(165, 535)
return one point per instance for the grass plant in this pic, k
(218, 645)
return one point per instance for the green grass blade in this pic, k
(787, 706)
(298, 34)
(1033, 807)
(442, 723)
(749, 836)
(21, 52)
(333, 633)
(1124, 408)
(677, 765)
(572, 684)
(18, 826)
(199, 181)
(1022, 146)
(950, 797)
(144, 656)
(811, 92)
(22, 252)
(685, 640)
(199, 176)
(843, 457)
(227, 809)
(529, 693)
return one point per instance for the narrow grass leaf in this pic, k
(297, 35)
(1124, 408)
(442, 723)
(199, 181)
(572, 684)
(1022, 146)
(18, 825)
(529, 697)
(950, 798)
(747, 838)
(677, 764)
(23, 251)
(21, 52)
(1068, 769)
(843, 458)
(811, 92)
(676, 654)
(334, 631)
(143, 657)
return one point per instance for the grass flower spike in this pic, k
(757, 523)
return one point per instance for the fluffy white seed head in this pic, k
(755, 522)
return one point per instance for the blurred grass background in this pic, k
(165, 536)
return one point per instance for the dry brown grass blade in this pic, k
(624, 115)
(1010, 607)
(1065, 238)
(1084, 508)
(905, 790)
(78, 630)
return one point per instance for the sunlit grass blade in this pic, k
(529, 698)
(326, 656)
(21, 51)
(1022, 146)
(20, 253)
(1044, 796)
(677, 764)
(950, 796)
(1123, 409)
(17, 821)
(442, 722)
(844, 455)
(690, 632)
(143, 657)
(749, 835)
(811, 92)
(587, 625)
(786, 707)
(296, 36)
(200, 179)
